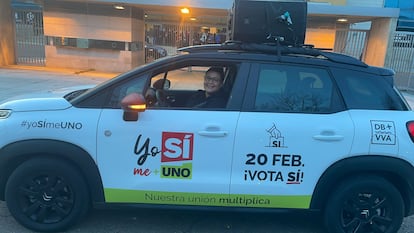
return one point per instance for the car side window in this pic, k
(185, 87)
(284, 88)
(172, 88)
(365, 91)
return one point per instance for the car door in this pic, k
(372, 102)
(291, 129)
(170, 155)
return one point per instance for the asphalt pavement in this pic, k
(21, 80)
(18, 80)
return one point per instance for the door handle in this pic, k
(328, 136)
(212, 133)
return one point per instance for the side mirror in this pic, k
(132, 104)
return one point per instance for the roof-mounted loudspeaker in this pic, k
(268, 22)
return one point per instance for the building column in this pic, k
(379, 41)
(137, 37)
(7, 54)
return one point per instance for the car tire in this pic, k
(47, 195)
(364, 204)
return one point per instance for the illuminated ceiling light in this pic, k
(342, 20)
(185, 11)
(193, 19)
(119, 7)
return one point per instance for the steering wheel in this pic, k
(162, 100)
(151, 97)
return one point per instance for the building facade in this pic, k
(401, 54)
(116, 36)
(406, 18)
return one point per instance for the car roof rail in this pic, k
(270, 48)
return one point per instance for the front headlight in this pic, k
(5, 113)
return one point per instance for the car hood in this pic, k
(41, 101)
(60, 92)
(36, 104)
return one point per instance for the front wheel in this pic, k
(47, 195)
(363, 205)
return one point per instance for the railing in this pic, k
(30, 42)
(168, 37)
(401, 60)
(351, 42)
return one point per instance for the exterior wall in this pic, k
(332, 2)
(227, 4)
(366, 3)
(406, 19)
(76, 58)
(137, 34)
(320, 38)
(87, 26)
(382, 31)
(96, 27)
(78, 22)
(212, 4)
(7, 55)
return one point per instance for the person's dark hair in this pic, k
(218, 70)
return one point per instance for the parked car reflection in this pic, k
(153, 52)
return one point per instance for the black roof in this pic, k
(305, 50)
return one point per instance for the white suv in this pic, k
(302, 129)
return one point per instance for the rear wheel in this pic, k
(363, 205)
(47, 195)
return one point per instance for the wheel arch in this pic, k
(12, 155)
(399, 172)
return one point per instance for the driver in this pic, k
(213, 95)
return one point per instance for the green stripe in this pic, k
(207, 199)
